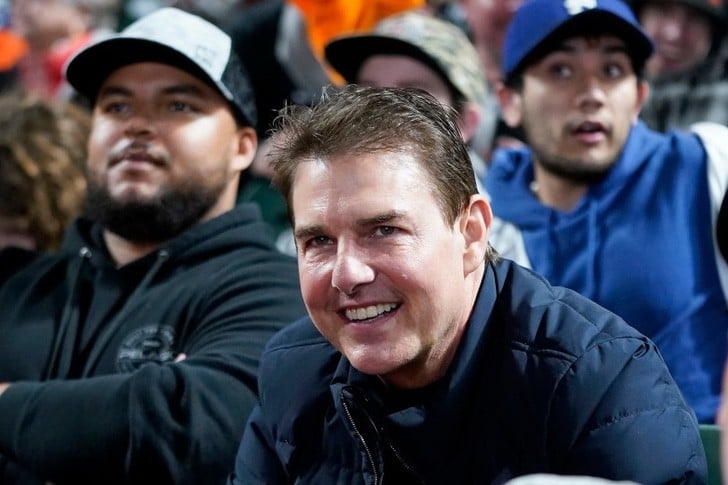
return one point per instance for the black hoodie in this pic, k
(90, 349)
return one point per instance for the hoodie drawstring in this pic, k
(112, 326)
(59, 363)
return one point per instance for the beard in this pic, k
(156, 220)
(574, 169)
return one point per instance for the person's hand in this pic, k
(3, 386)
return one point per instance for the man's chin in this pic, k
(135, 196)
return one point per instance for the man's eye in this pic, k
(318, 241)
(561, 70)
(385, 230)
(115, 107)
(613, 71)
(180, 106)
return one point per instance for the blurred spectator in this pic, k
(219, 12)
(414, 49)
(42, 184)
(54, 30)
(685, 32)
(689, 69)
(488, 21)
(131, 10)
(326, 19)
(12, 49)
(282, 69)
(604, 205)
(130, 355)
(286, 67)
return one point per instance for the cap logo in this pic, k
(205, 55)
(577, 6)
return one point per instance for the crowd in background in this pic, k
(688, 73)
(289, 49)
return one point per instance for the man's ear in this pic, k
(246, 145)
(510, 104)
(643, 92)
(475, 225)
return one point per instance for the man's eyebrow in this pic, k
(379, 219)
(186, 89)
(112, 90)
(305, 232)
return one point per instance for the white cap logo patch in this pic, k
(183, 35)
(577, 6)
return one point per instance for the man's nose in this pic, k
(591, 92)
(351, 269)
(139, 123)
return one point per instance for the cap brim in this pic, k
(88, 69)
(347, 54)
(596, 21)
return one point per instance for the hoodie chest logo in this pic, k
(151, 343)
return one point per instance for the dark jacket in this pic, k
(89, 349)
(544, 381)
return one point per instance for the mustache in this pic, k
(140, 152)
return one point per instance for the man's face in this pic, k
(489, 20)
(682, 36)
(42, 22)
(403, 72)
(382, 274)
(577, 105)
(162, 140)
(12, 233)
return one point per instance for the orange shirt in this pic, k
(12, 49)
(326, 19)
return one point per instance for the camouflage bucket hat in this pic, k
(437, 43)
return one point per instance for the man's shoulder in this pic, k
(300, 340)
(554, 319)
(24, 264)
(713, 136)
(13, 260)
(298, 364)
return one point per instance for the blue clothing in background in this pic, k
(640, 243)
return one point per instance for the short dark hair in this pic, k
(362, 120)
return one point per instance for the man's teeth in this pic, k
(369, 312)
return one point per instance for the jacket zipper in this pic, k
(402, 461)
(361, 438)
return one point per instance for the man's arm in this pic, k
(178, 422)
(257, 462)
(619, 415)
(714, 138)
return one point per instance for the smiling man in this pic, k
(426, 358)
(600, 203)
(130, 355)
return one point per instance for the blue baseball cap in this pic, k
(538, 24)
